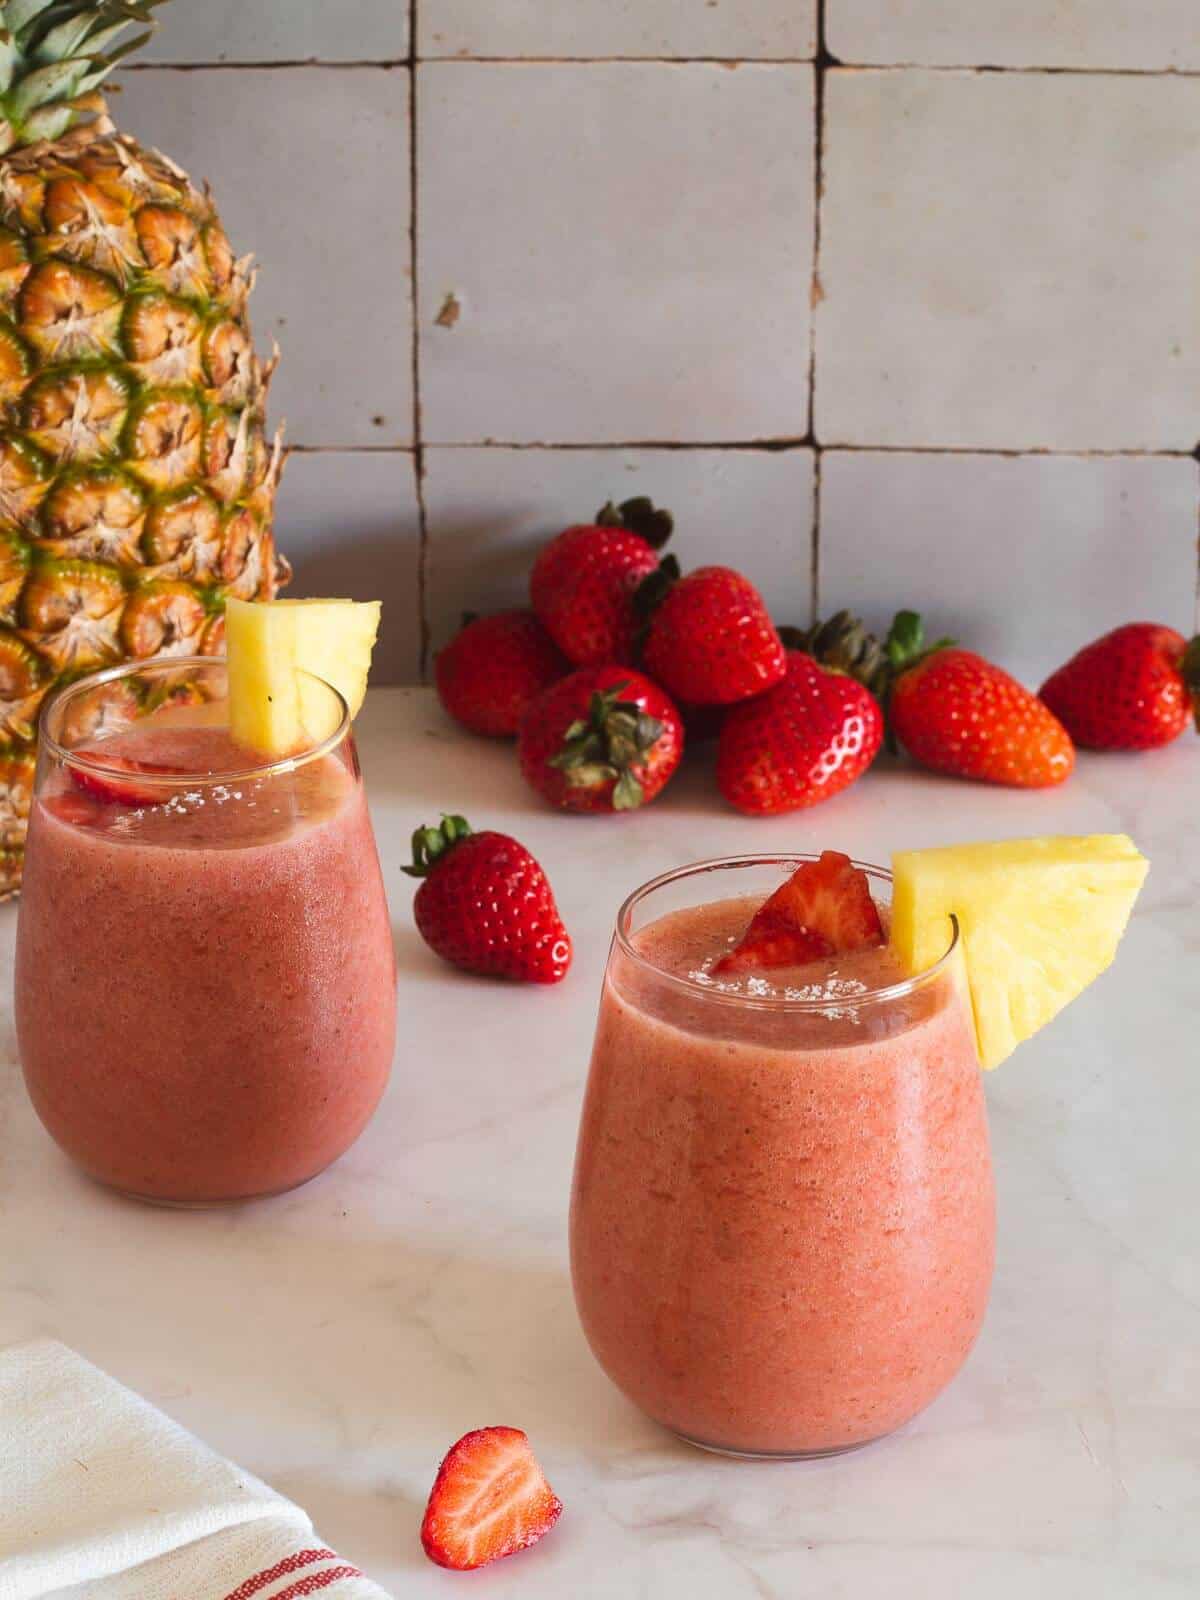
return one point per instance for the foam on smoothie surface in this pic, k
(267, 808)
(689, 942)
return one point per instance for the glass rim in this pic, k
(178, 780)
(891, 991)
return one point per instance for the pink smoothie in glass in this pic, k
(205, 986)
(782, 1220)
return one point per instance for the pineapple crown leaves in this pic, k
(641, 516)
(432, 845)
(608, 745)
(53, 54)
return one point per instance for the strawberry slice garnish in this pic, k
(120, 791)
(825, 908)
(490, 1499)
(774, 940)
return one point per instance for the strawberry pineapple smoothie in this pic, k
(782, 1220)
(205, 985)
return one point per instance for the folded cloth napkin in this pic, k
(104, 1498)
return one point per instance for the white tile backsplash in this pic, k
(1024, 558)
(596, 226)
(615, 220)
(1010, 260)
(764, 30)
(348, 523)
(490, 511)
(1125, 35)
(281, 30)
(326, 217)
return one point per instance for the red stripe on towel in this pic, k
(292, 1563)
(317, 1580)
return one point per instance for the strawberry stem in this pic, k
(431, 845)
(639, 515)
(608, 745)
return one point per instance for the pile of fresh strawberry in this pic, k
(623, 658)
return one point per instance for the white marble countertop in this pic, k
(336, 1341)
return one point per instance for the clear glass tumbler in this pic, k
(782, 1222)
(205, 978)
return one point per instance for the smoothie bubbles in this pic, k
(205, 993)
(782, 1219)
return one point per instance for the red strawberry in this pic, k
(489, 1499)
(486, 905)
(490, 671)
(604, 739)
(804, 740)
(709, 640)
(824, 908)
(582, 584)
(1133, 689)
(955, 712)
(120, 791)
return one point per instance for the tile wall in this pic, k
(892, 304)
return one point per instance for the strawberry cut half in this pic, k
(119, 791)
(825, 908)
(490, 1499)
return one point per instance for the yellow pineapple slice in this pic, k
(273, 707)
(1039, 919)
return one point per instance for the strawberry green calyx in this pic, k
(843, 644)
(608, 745)
(641, 516)
(1189, 668)
(432, 845)
(652, 591)
(905, 645)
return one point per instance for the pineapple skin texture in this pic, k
(1039, 920)
(274, 706)
(137, 486)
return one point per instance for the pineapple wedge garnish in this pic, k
(1038, 920)
(273, 646)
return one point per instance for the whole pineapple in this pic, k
(136, 483)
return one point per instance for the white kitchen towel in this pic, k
(104, 1498)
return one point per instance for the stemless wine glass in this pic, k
(782, 1223)
(205, 980)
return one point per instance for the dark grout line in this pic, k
(778, 446)
(814, 576)
(824, 60)
(1008, 453)
(351, 449)
(807, 442)
(418, 441)
(618, 61)
(382, 65)
(386, 64)
(985, 68)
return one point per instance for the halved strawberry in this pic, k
(825, 908)
(774, 940)
(490, 1499)
(119, 791)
